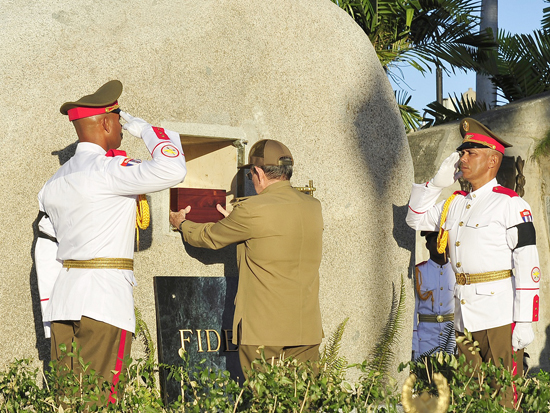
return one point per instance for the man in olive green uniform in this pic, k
(279, 237)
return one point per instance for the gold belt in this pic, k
(430, 318)
(483, 277)
(113, 263)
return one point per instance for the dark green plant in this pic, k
(331, 362)
(462, 108)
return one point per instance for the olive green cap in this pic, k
(477, 135)
(104, 97)
(268, 152)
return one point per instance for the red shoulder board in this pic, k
(421, 263)
(463, 193)
(161, 134)
(506, 191)
(115, 152)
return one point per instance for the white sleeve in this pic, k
(423, 213)
(521, 238)
(166, 169)
(46, 263)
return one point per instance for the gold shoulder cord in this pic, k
(443, 235)
(418, 283)
(142, 216)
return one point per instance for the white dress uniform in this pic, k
(489, 229)
(436, 284)
(91, 210)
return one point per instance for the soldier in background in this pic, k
(434, 302)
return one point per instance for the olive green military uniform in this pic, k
(279, 236)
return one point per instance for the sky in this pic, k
(514, 16)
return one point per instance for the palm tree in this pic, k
(421, 33)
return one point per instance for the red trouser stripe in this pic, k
(118, 366)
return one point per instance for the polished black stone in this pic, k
(189, 308)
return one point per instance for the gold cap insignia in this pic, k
(466, 125)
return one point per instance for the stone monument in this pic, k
(224, 74)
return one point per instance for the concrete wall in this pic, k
(301, 72)
(522, 124)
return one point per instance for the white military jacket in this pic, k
(490, 229)
(90, 207)
(436, 284)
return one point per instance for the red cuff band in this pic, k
(84, 112)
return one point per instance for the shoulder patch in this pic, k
(115, 152)
(505, 191)
(130, 162)
(463, 193)
(421, 263)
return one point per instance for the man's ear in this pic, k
(261, 174)
(106, 124)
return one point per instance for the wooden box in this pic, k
(203, 203)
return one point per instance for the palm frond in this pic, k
(462, 108)
(410, 116)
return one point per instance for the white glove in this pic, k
(522, 336)
(133, 125)
(448, 172)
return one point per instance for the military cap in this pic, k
(477, 135)
(104, 100)
(268, 152)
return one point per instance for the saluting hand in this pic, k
(133, 125)
(448, 172)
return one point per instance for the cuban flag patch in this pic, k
(130, 162)
(526, 215)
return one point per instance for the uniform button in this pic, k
(440, 304)
(420, 339)
(440, 272)
(461, 223)
(457, 243)
(468, 206)
(458, 265)
(477, 225)
(473, 195)
(462, 302)
(441, 287)
(441, 333)
(492, 292)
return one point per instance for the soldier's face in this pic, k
(474, 163)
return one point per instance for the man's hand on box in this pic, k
(176, 218)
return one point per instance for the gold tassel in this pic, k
(142, 216)
(442, 236)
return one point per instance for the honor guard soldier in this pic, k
(84, 253)
(279, 243)
(434, 302)
(491, 240)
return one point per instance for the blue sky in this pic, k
(514, 16)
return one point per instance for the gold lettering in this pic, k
(185, 339)
(199, 341)
(208, 340)
(228, 336)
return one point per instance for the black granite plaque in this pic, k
(195, 313)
